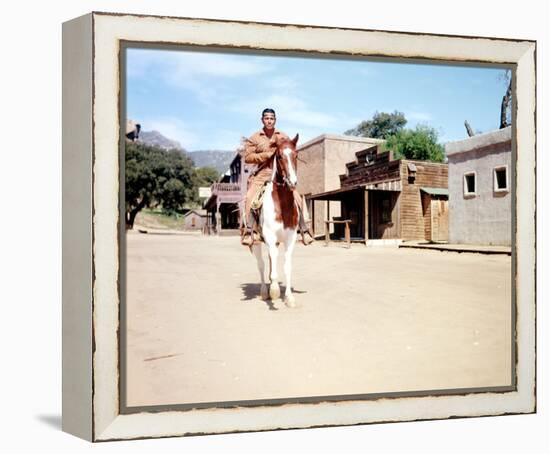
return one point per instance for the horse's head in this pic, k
(287, 160)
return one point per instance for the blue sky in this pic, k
(209, 100)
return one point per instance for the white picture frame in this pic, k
(92, 225)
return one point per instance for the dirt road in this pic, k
(368, 320)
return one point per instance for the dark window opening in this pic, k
(470, 183)
(501, 182)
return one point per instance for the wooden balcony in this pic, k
(227, 192)
(225, 188)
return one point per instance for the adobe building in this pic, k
(321, 162)
(387, 199)
(480, 200)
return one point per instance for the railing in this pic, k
(226, 187)
(347, 234)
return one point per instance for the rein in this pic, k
(285, 182)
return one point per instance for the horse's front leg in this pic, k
(257, 250)
(289, 248)
(274, 290)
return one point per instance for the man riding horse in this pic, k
(259, 150)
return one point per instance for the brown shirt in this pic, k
(257, 151)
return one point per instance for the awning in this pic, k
(338, 194)
(436, 191)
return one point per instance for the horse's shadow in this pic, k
(251, 292)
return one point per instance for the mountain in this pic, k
(155, 138)
(218, 159)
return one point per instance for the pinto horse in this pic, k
(279, 220)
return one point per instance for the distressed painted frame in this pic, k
(91, 224)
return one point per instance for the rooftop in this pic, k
(365, 140)
(479, 141)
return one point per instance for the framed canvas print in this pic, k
(272, 226)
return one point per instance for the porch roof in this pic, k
(435, 191)
(338, 194)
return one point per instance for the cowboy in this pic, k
(259, 149)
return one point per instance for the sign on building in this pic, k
(205, 192)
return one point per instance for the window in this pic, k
(500, 178)
(470, 184)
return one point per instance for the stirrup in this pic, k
(307, 238)
(246, 240)
(249, 236)
(304, 229)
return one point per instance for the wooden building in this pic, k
(389, 199)
(194, 220)
(322, 160)
(225, 204)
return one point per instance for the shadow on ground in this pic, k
(251, 292)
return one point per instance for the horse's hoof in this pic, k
(290, 301)
(264, 293)
(274, 291)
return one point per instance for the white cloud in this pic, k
(142, 61)
(224, 140)
(219, 65)
(282, 83)
(418, 116)
(193, 71)
(296, 111)
(306, 134)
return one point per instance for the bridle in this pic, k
(286, 182)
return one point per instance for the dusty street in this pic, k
(368, 320)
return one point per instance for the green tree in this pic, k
(156, 177)
(381, 126)
(420, 143)
(205, 176)
(202, 177)
(178, 182)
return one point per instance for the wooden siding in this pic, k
(194, 221)
(428, 174)
(427, 215)
(440, 220)
(379, 168)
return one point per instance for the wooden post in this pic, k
(312, 216)
(434, 210)
(327, 233)
(218, 219)
(348, 234)
(239, 215)
(366, 197)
